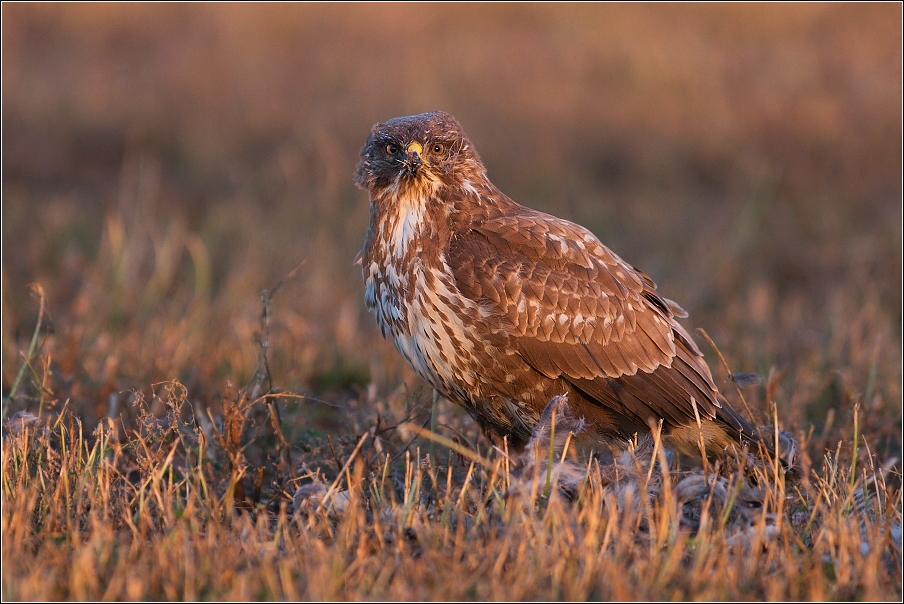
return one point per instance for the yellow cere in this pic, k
(416, 148)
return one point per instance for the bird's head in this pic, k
(419, 152)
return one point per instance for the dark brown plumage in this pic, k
(501, 307)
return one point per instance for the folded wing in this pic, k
(575, 310)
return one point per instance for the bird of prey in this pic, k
(501, 307)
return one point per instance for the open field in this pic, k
(165, 164)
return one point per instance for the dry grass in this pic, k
(164, 164)
(175, 510)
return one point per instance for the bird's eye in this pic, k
(392, 149)
(438, 148)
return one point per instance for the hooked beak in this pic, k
(413, 160)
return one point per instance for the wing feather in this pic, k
(573, 309)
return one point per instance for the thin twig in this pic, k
(329, 439)
(703, 333)
(448, 443)
(277, 428)
(351, 458)
(38, 291)
(552, 444)
(702, 442)
(263, 367)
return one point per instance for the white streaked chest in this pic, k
(427, 319)
(402, 227)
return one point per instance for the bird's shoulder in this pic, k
(552, 278)
(515, 230)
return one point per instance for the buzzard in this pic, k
(501, 307)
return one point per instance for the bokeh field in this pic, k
(185, 344)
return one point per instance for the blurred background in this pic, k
(164, 164)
